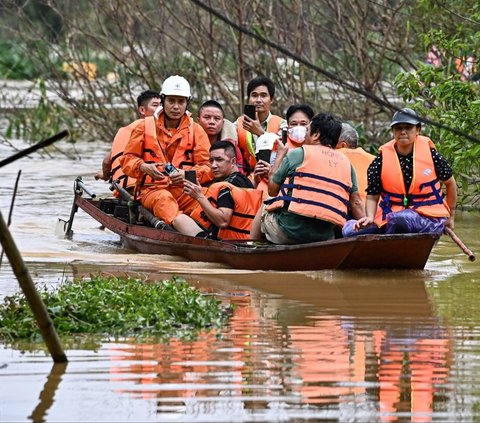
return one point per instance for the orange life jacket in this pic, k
(321, 186)
(425, 194)
(118, 147)
(245, 140)
(360, 160)
(247, 203)
(154, 153)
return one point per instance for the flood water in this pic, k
(341, 346)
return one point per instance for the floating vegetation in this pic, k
(115, 307)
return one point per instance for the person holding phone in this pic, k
(298, 118)
(254, 123)
(172, 137)
(311, 188)
(227, 207)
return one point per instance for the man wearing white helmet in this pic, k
(407, 178)
(172, 137)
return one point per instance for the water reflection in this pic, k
(367, 347)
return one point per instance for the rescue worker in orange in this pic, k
(173, 138)
(407, 178)
(147, 102)
(211, 117)
(260, 93)
(312, 188)
(359, 158)
(228, 206)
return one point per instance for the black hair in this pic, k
(146, 96)
(211, 103)
(227, 145)
(329, 128)
(304, 108)
(261, 80)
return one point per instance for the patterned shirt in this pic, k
(442, 170)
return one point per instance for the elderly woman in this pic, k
(407, 178)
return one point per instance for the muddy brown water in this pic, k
(301, 346)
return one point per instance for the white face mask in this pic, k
(297, 133)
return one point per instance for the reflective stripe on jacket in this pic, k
(247, 203)
(320, 186)
(245, 140)
(180, 151)
(425, 193)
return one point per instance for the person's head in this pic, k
(325, 129)
(298, 118)
(223, 159)
(175, 95)
(348, 137)
(405, 126)
(147, 102)
(260, 93)
(210, 117)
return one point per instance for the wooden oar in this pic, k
(34, 147)
(458, 241)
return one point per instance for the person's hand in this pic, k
(193, 190)
(261, 169)
(363, 223)
(282, 149)
(178, 178)
(450, 223)
(252, 125)
(100, 175)
(151, 170)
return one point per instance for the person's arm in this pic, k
(282, 151)
(370, 211)
(219, 217)
(356, 204)
(451, 200)
(104, 174)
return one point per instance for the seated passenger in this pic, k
(227, 207)
(407, 177)
(312, 187)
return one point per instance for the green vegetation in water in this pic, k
(116, 307)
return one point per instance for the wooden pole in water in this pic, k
(458, 241)
(44, 322)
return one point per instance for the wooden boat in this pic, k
(405, 251)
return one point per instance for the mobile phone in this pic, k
(284, 135)
(249, 110)
(264, 155)
(191, 175)
(170, 169)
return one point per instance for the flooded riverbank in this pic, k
(327, 345)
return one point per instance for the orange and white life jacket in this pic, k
(320, 186)
(247, 203)
(153, 152)
(245, 140)
(425, 194)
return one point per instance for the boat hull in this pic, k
(403, 251)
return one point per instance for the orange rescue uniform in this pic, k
(186, 147)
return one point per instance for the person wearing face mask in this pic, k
(311, 189)
(298, 118)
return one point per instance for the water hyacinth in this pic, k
(118, 307)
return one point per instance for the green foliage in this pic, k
(116, 307)
(439, 94)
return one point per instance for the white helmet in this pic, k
(176, 85)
